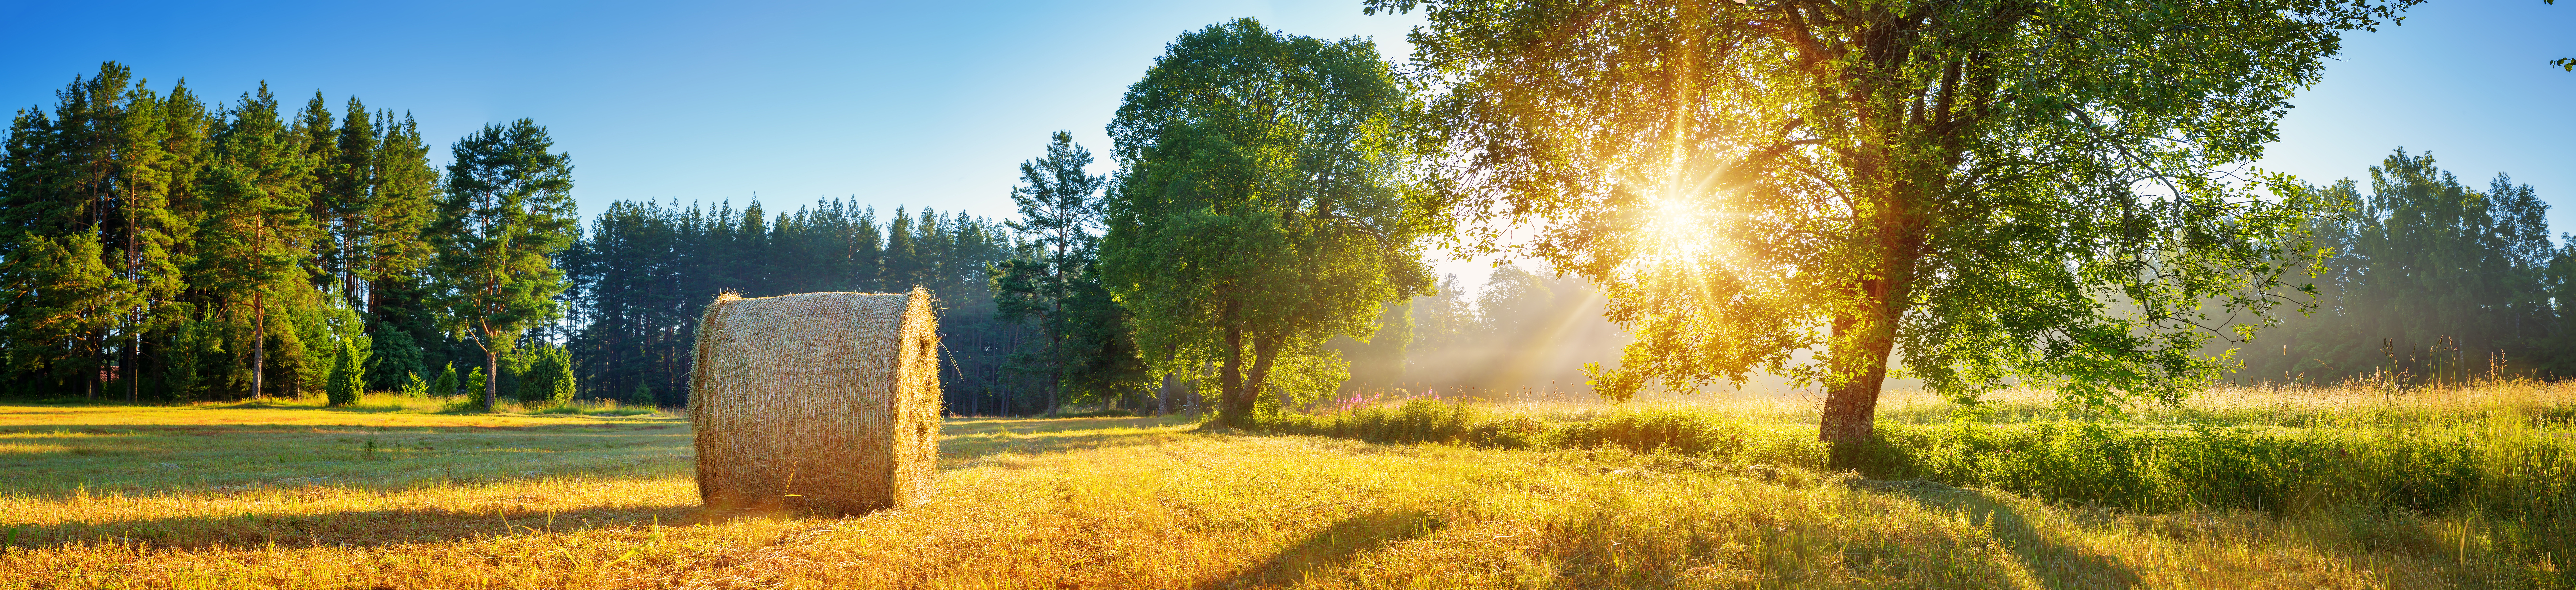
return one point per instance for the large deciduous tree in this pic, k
(507, 211)
(1999, 188)
(1261, 203)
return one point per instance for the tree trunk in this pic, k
(131, 371)
(1264, 350)
(1862, 343)
(491, 379)
(1851, 409)
(1235, 407)
(1163, 395)
(258, 347)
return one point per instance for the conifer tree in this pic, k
(507, 212)
(1058, 225)
(257, 229)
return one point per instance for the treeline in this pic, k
(643, 270)
(2429, 278)
(158, 247)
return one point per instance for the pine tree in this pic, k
(388, 249)
(507, 212)
(257, 230)
(1058, 226)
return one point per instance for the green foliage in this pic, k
(1052, 282)
(1260, 205)
(507, 212)
(2500, 467)
(414, 388)
(474, 390)
(348, 378)
(642, 271)
(1684, 433)
(1990, 185)
(180, 244)
(548, 379)
(2428, 281)
(642, 396)
(392, 357)
(446, 383)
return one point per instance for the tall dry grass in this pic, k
(508, 501)
(2501, 453)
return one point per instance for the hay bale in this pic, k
(820, 403)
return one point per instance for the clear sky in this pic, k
(935, 103)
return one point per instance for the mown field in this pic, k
(1685, 493)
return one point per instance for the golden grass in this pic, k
(293, 498)
(2349, 405)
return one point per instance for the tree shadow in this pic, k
(364, 528)
(1334, 546)
(964, 440)
(2055, 565)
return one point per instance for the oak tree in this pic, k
(2000, 189)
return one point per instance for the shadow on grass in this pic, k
(371, 528)
(2055, 565)
(1334, 546)
(966, 439)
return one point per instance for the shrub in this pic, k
(446, 383)
(348, 376)
(548, 381)
(414, 388)
(474, 387)
(642, 396)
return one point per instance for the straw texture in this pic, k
(820, 403)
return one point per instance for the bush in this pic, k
(474, 387)
(414, 388)
(548, 381)
(348, 376)
(446, 383)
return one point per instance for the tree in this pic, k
(1058, 218)
(257, 232)
(507, 211)
(1260, 201)
(387, 249)
(348, 375)
(2000, 188)
(2426, 262)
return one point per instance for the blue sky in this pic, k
(920, 103)
(936, 103)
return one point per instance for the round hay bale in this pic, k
(820, 403)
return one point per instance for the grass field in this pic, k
(394, 495)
